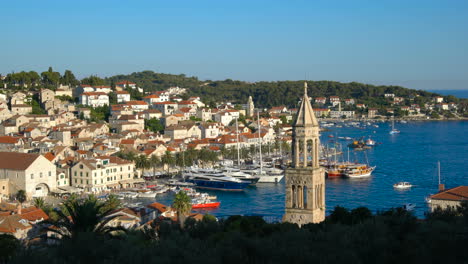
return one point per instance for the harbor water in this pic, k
(410, 156)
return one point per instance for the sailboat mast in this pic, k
(438, 170)
(348, 154)
(260, 142)
(238, 149)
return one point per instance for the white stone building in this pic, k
(30, 172)
(94, 99)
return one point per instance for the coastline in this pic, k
(389, 119)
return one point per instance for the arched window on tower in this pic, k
(293, 192)
(305, 197)
(299, 196)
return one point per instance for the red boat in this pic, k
(206, 205)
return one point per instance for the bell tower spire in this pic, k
(305, 180)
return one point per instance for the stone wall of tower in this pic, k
(305, 195)
(305, 181)
(250, 107)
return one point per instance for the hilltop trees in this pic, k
(50, 78)
(68, 78)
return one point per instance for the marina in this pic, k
(412, 157)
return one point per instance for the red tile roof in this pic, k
(9, 140)
(136, 103)
(49, 156)
(459, 193)
(158, 206)
(151, 96)
(16, 160)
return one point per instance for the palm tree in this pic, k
(183, 206)
(142, 162)
(111, 203)
(21, 196)
(85, 215)
(154, 161)
(39, 202)
(168, 159)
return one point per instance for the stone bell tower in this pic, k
(250, 107)
(305, 179)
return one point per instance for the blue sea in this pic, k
(456, 93)
(409, 156)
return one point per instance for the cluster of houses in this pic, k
(63, 152)
(331, 107)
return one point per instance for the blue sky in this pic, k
(418, 44)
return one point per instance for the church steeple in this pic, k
(306, 114)
(305, 181)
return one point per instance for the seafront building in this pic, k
(449, 199)
(30, 172)
(103, 173)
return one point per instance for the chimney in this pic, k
(18, 209)
(441, 187)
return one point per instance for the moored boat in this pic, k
(402, 185)
(359, 171)
(216, 181)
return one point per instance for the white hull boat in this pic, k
(147, 195)
(402, 185)
(270, 178)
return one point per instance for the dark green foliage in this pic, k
(94, 80)
(68, 78)
(50, 78)
(154, 125)
(8, 247)
(21, 196)
(65, 98)
(100, 113)
(394, 236)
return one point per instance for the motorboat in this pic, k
(236, 173)
(216, 181)
(402, 185)
(148, 194)
(202, 203)
(370, 142)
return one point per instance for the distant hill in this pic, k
(267, 94)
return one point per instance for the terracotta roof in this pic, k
(151, 96)
(122, 92)
(127, 141)
(33, 214)
(49, 156)
(459, 193)
(158, 206)
(11, 223)
(9, 140)
(136, 103)
(16, 161)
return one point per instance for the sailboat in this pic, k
(264, 177)
(394, 130)
(441, 185)
(237, 173)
